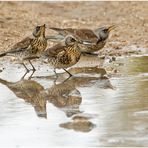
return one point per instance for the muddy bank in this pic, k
(17, 19)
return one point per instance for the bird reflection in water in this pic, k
(89, 75)
(64, 95)
(67, 97)
(32, 92)
(79, 123)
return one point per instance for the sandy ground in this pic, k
(17, 20)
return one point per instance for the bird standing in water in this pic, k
(97, 37)
(64, 54)
(29, 48)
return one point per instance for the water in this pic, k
(85, 110)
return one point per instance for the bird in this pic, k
(65, 96)
(97, 37)
(29, 48)
(31, 92)
(64, 54)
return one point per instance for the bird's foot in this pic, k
(70, 75)
(31, 75)
(33, 69)
(27, 70)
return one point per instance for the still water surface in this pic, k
(84, 111)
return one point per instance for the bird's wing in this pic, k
(61, 53)
(22, 45)
(61, 34)
(60, 31)
(83, 34)
(86, 34)
(55, 50)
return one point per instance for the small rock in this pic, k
(113, 58)
(115, 71)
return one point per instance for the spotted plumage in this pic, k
(64, 54)
(30, 47)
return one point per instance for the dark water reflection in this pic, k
(85, 110)
(31, 91)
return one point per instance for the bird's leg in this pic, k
(66, 79)
(67, 72)
(32, 66)
(56, 76)
(55, 73)
(24, 75)
(31, 75)
(55, 81)
(27, 70)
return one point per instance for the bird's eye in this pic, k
(72, 40)
(105, 30)
(37, 28)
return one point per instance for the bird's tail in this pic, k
(55, 38)
(3, 54)
(62, 32)
(56, 29)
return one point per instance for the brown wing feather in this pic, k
(55, 50)
(62, 32)
(84, 34)
(21, 45)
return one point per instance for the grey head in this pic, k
(70, 40)
(103, 32)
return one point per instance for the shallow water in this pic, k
(85, 110)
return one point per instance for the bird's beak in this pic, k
(112, 27)
(44, 25)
